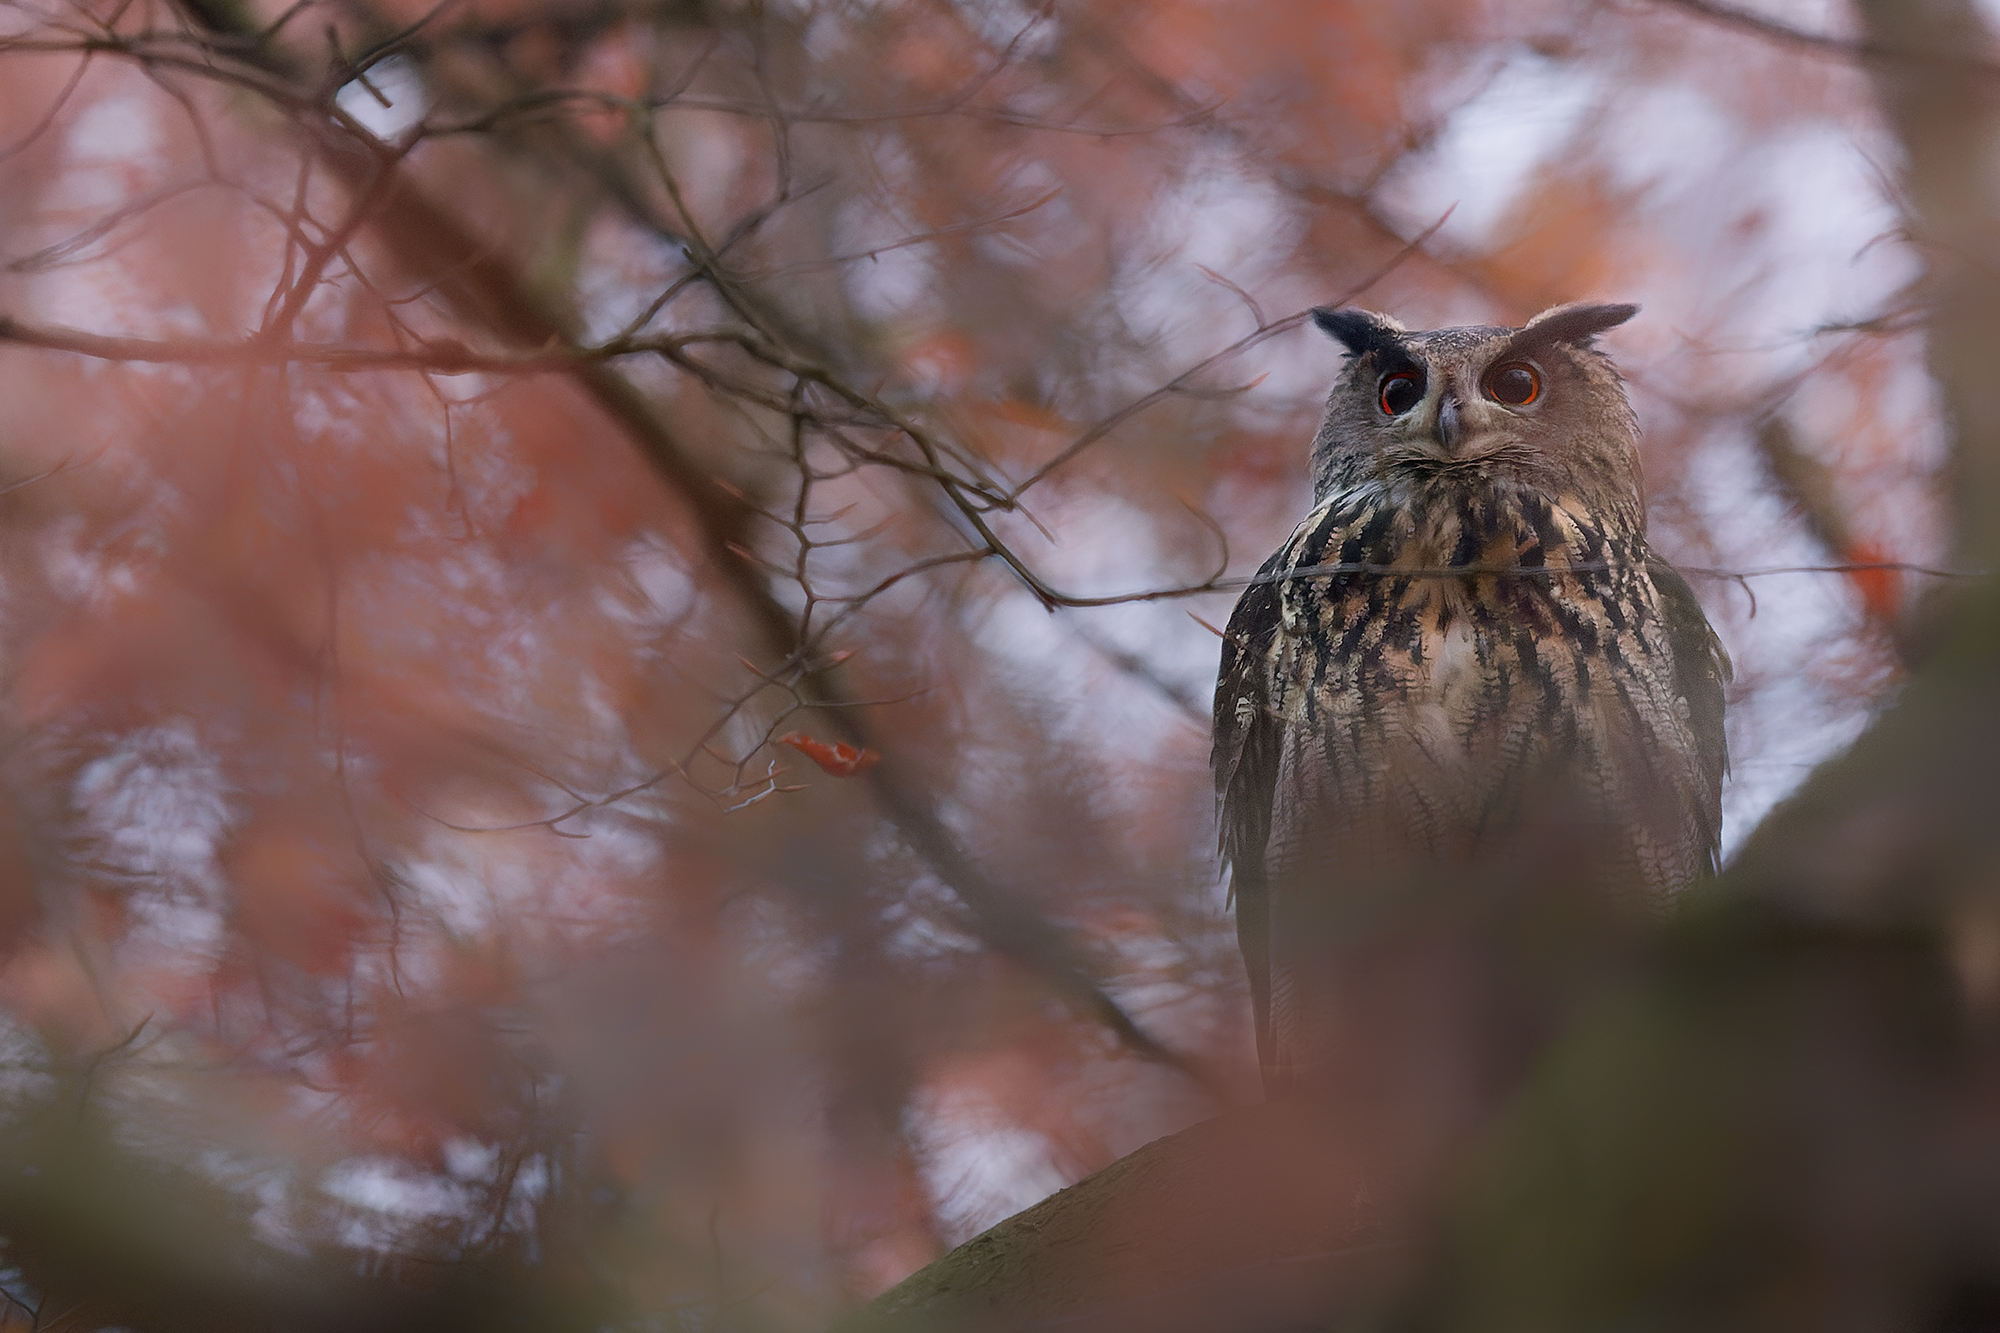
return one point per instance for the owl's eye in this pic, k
(1401, 391)
(1516, 384)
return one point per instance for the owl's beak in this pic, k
(1450, 429)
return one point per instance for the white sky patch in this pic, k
(1639, 156)
(113, 152)
(377, 1202)
(708, 152)
(1105, 545)
(471, 1160)
(24, 1066)
(114, 156)
(890, 285)
(387, 1198)
(1221, 219)
(478, 884)
(1818, 197)
(976, 1167)
(1181, 654)
(1491, 148)
(156, 809)
(1032, 30)
(400, 86)
(895, 279)
(469, 883)
(1792, 719)
(919, 923)
(1113, 716)
(1053, 228)
(82, 573)
(658, 592)
(1231, 220)
(1294, 371)
(825, 36)
(623, 271)
(1112, 727)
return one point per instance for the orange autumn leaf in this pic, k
(838, 758)
(1878, 587)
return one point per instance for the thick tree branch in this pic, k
(1947, 113)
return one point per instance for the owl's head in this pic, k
(1537, 406)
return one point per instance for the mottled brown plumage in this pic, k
(1377, 723)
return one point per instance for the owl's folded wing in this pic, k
(1245, 759)
(1702, 668)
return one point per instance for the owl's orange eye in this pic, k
(1516, 384)
(1401, 391)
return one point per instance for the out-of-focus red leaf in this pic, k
(1879, 588)
(944, 358)
(836, 757)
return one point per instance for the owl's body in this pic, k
(1373, 724)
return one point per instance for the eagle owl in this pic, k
(1381, 717)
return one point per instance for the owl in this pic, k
(1467, 634)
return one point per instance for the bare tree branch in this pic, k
(435, 248)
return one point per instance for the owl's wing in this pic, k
(1246, 756)
(1702, 669)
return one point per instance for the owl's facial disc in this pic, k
(1460, 415)
(1481, 405)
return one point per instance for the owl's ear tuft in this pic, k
(1359, 331)
(1576, 323)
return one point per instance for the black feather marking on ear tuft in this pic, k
(1575, 324)
(1358, 330)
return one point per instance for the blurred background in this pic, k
(607, 603)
